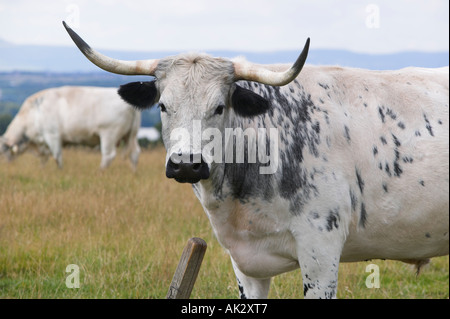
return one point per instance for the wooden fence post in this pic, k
(186, 273)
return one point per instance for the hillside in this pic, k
(68, 59)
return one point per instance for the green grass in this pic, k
(126, 232)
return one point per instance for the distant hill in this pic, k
(26, 69)
(68, 59)
(16, 86)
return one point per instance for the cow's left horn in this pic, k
(251, 72)
(140, 67)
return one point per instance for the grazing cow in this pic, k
(89, 116)
(362, 169)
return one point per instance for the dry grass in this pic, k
(126, 232)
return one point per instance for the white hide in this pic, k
(91, 116)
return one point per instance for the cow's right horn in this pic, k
(252, 72)
(140, 67)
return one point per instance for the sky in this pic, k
(363, 26)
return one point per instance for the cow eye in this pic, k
(219, 110)
(162, 107)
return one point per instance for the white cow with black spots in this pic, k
(362, 170)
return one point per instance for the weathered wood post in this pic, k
(186, 273)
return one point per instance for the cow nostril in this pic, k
(187, 171)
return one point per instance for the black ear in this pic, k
(141, 95)
(247, 103)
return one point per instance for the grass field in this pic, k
(126, 231)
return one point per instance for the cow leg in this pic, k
(134, 154)
(55, 146)
(318, 257)
(249, 287)
(44, 159)
(108, 149)
(320, 276)
(43, 152)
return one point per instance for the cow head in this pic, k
(5, 149)
(8, 150)
(194, 92)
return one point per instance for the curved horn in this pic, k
(140, 67)
(251, 72)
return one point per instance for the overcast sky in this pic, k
(373, 26)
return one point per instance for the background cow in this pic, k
(363, 167)
(89, 116)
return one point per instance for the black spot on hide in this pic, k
(333, 219)
(241, 292)
(324, 86)
(388, 170)
(428, 125)
(391, 114)
(382, 116)
(397, 169)
(347, 133)
(375, 150)
(407, 159)
(363, 216)
(359, 180)
(396, 141)
(306, 287)
(353, 200)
